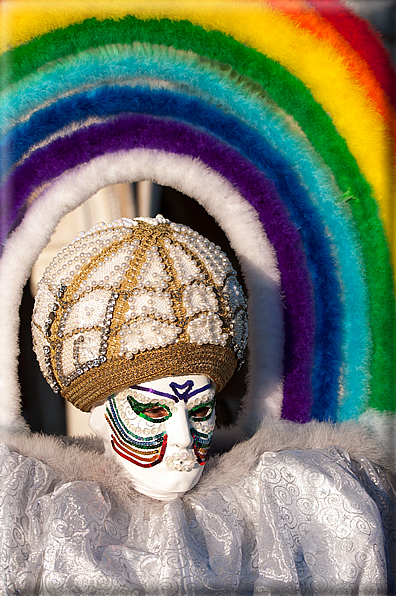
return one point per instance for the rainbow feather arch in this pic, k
(277, 117)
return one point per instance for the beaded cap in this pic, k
(133, 301)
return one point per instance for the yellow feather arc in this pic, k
(313, 61)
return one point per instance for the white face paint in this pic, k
(160, 431)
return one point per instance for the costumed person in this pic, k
(142, 322)
(277, 118)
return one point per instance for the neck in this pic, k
(154, 493)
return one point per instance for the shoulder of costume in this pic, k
(355, 440)
(74, 459)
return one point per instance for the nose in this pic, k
(178, 428)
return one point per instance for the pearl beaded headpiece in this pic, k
(133, 301)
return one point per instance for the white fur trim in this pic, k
(234, 214)
(83, 458)
(383, 426)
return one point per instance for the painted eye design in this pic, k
(153, 412)
(202, 412)
(156, 412)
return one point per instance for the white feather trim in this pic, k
(190, 176)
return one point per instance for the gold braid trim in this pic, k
(97, 384)
(145, 234)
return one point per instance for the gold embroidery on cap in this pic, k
(133, 301)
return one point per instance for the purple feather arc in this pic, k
(148, 132)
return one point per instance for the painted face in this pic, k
(160, 431)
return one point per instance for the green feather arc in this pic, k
(264, 74)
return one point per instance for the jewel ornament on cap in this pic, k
(133, 301)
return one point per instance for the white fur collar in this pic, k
(82, 458)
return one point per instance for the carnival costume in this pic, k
(276, 117)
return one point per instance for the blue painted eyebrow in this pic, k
(186, 395)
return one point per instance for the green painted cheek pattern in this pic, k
(202, 430)
(145, 449)
(142, 440)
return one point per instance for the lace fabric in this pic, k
(301, 522)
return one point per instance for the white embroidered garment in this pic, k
(298, 522)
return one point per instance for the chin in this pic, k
(161, 478)
(178, 482)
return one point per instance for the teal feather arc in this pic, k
(233, 95)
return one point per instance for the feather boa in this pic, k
(110, 101)
(144, 131)
(218, 196)
(315, 62)
(267, 119)
(307, 28)
(312, 21)
(362, 36)
(319, 129)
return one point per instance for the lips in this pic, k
(182, 461)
